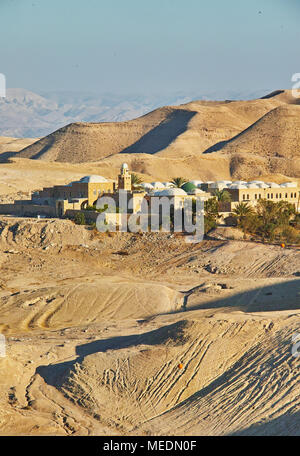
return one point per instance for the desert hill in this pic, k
(272, 142)
(192, 127)
(185, 135)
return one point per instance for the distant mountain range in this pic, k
(27, 114)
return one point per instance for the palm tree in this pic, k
(178, 181)
(136, 181)
(223, 196)
(241, 211)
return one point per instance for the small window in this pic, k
(244, 197)
(271, 195)
(248, 197)
(276, 195)
(279, 195)
(268, 195)
(255, 196)
(295, 195)
(259, 196)
(286, 195)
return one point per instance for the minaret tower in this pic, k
(124, 178)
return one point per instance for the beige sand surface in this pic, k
(94, 338)
(243, 138)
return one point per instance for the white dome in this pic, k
(197, 183)
(273, 185)
(124, 166)
(289, 185)
(171, 192)
(157, 185)
(196, 191)
(93, 179)
(238, 186)
(147, 185)
(168, 184)
(252, 185)
(218, 185)
(256, 182)
(240, 183)
(263, 185)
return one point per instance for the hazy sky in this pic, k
(147, 46)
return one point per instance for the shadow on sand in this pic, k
(163, 134)
(282, 296)
(271, 298)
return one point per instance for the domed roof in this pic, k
(238, 186)
(168, 184)
(252, 185)
(171, 192)
(218, 185)
(93, 179)
(239, 182)
(147, 185)
(197, 191)
(188, 187)
(124, 166)
(289, 185)
(197, 183)
(157, 185)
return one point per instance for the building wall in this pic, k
(252, 195)
(90, 191)
(27, 210)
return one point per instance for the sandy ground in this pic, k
(96, 326)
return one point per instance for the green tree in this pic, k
(79, 219)
(178, 182)
(211, 214)
(241, 211)
(223, 196)
(136, 181)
